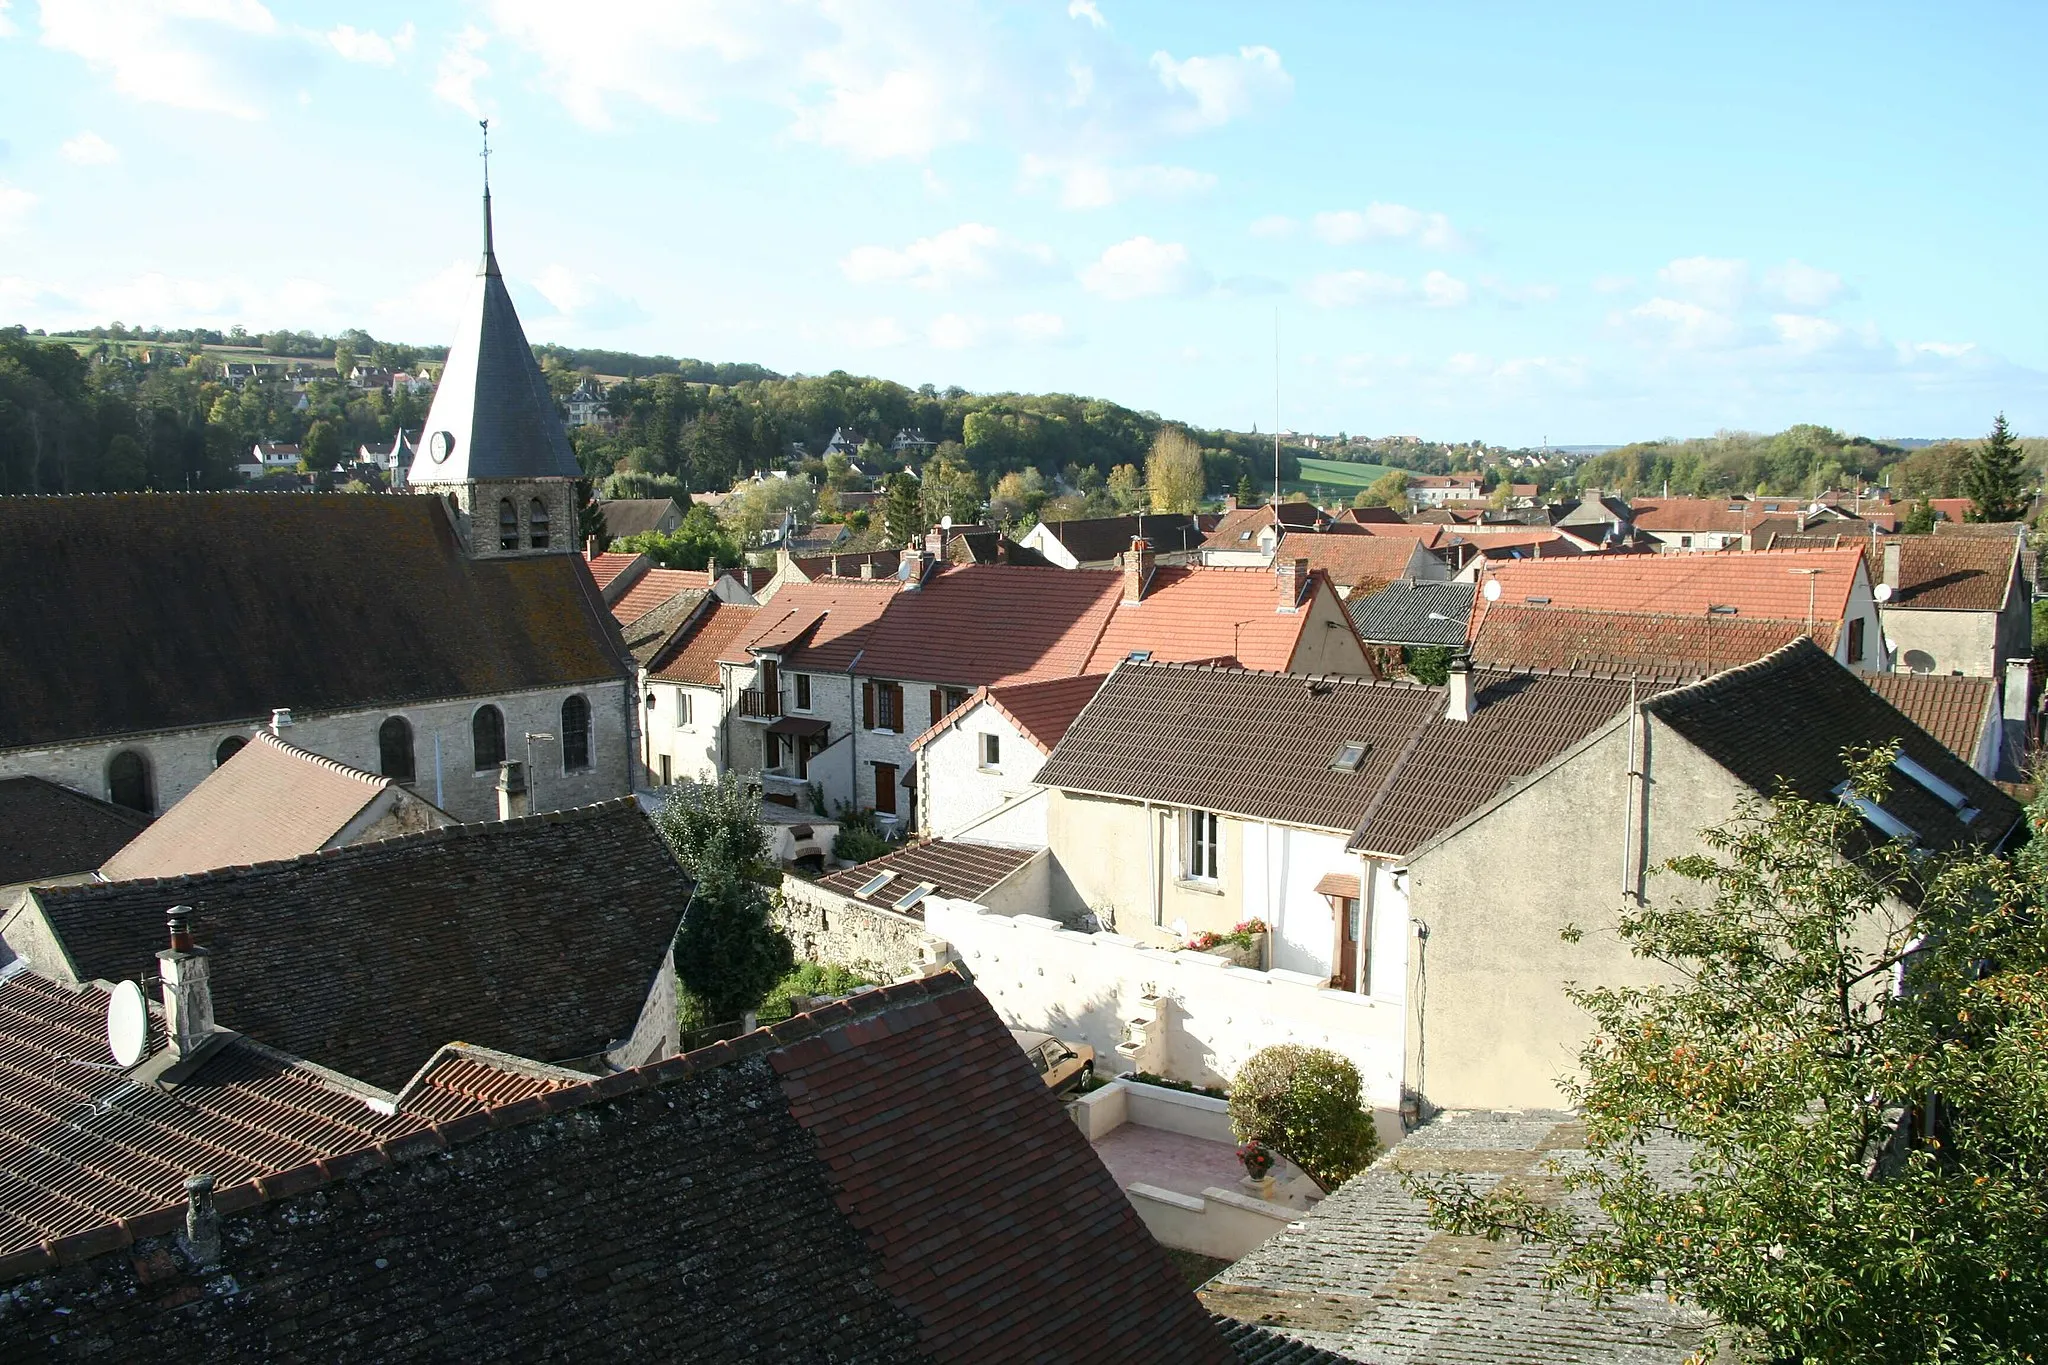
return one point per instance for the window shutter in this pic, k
(867, 705)
(938, 705)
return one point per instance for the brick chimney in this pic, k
(1891, 565)
(917, 562)
(1291, 576)
(512, 796)
(1137, 569)
(1458, 691)
(1230, 502)
(188, 987)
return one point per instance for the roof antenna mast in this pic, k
(1276, 408)
(485, 124)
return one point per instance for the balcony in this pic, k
(758, 704)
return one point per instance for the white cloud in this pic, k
(1685, 324)
(1086, 9)
(1712, 281)
(905, 113)
(1444, 291)
(1224, 87)
(585, 300)
(972, 253)
(1387, 222)
(1273, 225)
(1088, 184)
(89, 149)
(1805, 333)
(967, 331)
(1143, 268)
(1947, 350)
(15, 203)
(1042, 329)
(432, 304)
(7, 29)
(181, 54)
(364, 45)
(460, 69)
(1365, 288)
(1804, 286)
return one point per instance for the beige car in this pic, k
(1064, 1065)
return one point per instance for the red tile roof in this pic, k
(1954, 573)
(1955, 710)
(1425, 534)
(1238, 529)
(609, 565)
(693, 657)
(821, 625)
(652, 589)
(1724, 515)
(1953, 509)
(1190, 614)
(1515, 634)
(985, 624)
(1041, 711)
(1351, 561)
(1765, 583)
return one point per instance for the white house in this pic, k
(977, 767)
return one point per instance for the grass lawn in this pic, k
(1194, 1267)
(1336, 475)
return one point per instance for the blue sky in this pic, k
(1585, 223)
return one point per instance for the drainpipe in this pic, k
(1152, 864)
(1628, 827)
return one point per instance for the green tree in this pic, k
(701, 542)
(1864, 1178)
(1173, 471)
(1388, 490)
(902, 518)
(1306, 1103)
(729, 954)
(320, 449)
(1919, 519)
(1996, 483)
(1430, 664)
(948, 488)
(1126, 488)
(710, 826)
(1247, 496)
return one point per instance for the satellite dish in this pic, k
(1882, 592)
(127, 1024)
(1492, 590)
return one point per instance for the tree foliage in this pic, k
(713, 826)
(1306, 1103)
(729, 955)
(701, 542)
(1388, 490)
(1430, 664)
(1997, 484)
(1866, 1162)
(1173, 471)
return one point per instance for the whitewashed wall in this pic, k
(957, 789)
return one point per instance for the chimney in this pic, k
(590, 547)
(1891, 565)
(1230, 502)
(512, 800)
(188, 989)
(917, 563)
(1458, 690)
(2019, 681)
(936, 538)
(1137, 569)
(867, 567)
(1292, 575)
(280, 720)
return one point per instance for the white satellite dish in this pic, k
(127, 1024)
(1882, 592)
(1492, 590)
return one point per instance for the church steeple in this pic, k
(493, 440)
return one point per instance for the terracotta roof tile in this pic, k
(822, 626)
(693, 656)
(1651, 644)
(653, 588)
(955, 867)
(1191, 613)
(1770, 584)
(1428, 536)
(1953, 573)
(1723, 515)
(1954, 710)
(605, 567)
(1041, 711)
(47, 830)
(978, 624)
(1351, 561)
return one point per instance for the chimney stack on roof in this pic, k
(1292, 576)
(1458, 690)
(936, 538)
(202, 1221)
(188, 988)
(917, 562)
(1137, 569)
(512, 794)
(280, 720)
(1891, 565)
(867, 567)
(590, 547)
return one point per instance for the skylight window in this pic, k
(1948, 793)
(1350, 757)
(913, 895)
(874, 884)
(1722, 611)
(1538, 601)
(1244, 535)
(1876, 814)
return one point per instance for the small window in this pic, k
(888, 706)
(991, 751)
(487, 738)
(1947, 792)
(1856, 641)
(1350, 757)
(508, 525)
(1139, 656)
(228, 748)
(394, 749)
(537, 525)
(1202, 845)
(803, 691)
(665, 777)
(912, 896)
(682, 706)
(128, 782)
(575, 734)
(1876, 814)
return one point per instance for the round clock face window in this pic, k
(442, 446)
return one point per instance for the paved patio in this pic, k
(1137, 1155)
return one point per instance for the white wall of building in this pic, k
(957, 785)
(689, 736)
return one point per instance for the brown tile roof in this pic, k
(982, 624)
(1239, 529)
(1788, 717)
(635, 516)
(1954, 573)
(820, 626)
(47, 830)
(653, 588)
(692, 657)
(954, 867)
(646, 635)
(849, 565)
(1954, 710)
(159, 611)
(608, 566)
(1041, 711)
(1194, 613)
(881, 1179)
(1351, 561)
(1769, 584)
(1723, 515)
(1514, 634)
(1371, 516)
(271, 800)
(540, 936)
(1094, 540)
(1429, 537)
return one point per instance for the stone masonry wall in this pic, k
(826, 927)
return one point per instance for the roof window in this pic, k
(1876, 814)
(1350, 757)
(1948, 793)
(913, 896)
(1139, 656)
(1723, 611)
(874, 884)
(1538, 601)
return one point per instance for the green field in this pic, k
(1336, 476)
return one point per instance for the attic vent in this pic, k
(1722, 611)
(1538, 601)
(1952, 795)
(1350, 757)
(913, 895)
(874, 884)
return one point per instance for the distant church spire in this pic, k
(489, 265)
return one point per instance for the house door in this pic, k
(885, 789)
(1345, 978)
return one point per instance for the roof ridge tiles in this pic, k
(333, 765)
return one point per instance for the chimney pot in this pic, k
(512, 794)
(280, 720)
(867, 568)
(590, 547)
(202, 1220)
(1458, 690)
(187, 987)
(1891, 564)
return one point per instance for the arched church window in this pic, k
(575, 733)
(128, 782)
(508, 525)
(537, 525)
(228, 748)
(394, 749)
(487, 737)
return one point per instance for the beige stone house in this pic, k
(1955, 604)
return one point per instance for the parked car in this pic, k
(1064, 1065)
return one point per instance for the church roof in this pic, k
(492, 401)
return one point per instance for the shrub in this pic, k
(1305, 1101)
(713, 826)
(857, 844)
(1431, 664)
(728, 955)
(809, 978)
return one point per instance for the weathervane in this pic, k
(485, 124)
